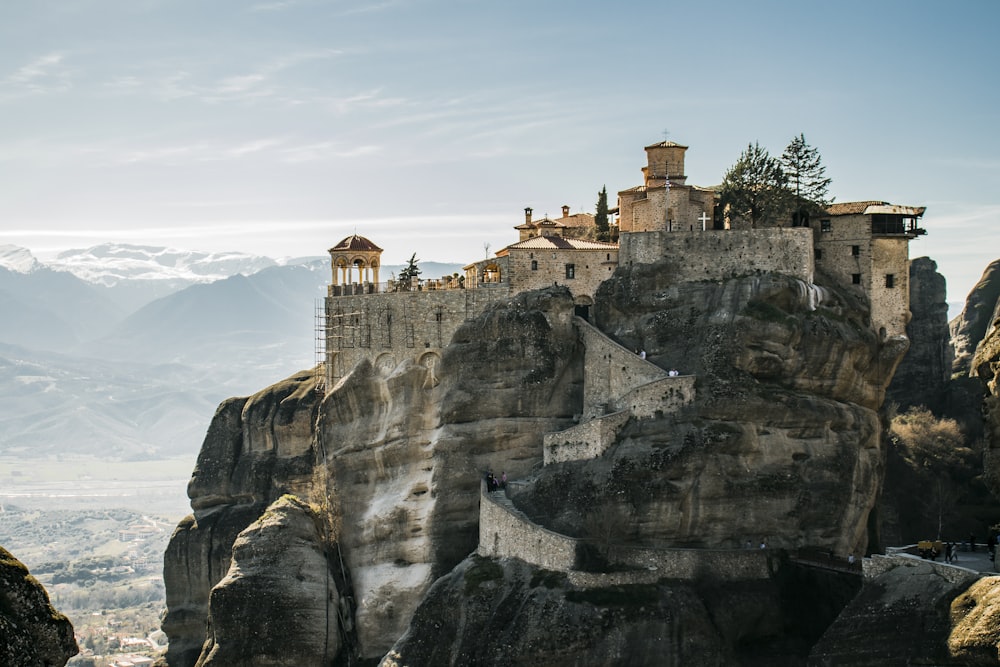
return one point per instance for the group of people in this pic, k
(672, 372)
(493, 482)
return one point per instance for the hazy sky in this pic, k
(278, 127)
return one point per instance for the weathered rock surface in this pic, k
(782, 443)
(488, 612)
(902, 617)
(32, 632)
(986, 366)
(256, 450)
(922, 376)
(394, 455)
(976, 318)
(278, 603)
(975, 619)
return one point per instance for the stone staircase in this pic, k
(618, 385)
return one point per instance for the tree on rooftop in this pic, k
(806, 178)
(601, 224)
(756, 188)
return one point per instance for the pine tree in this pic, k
(806, 178)
(601, 223)
(409, 272)
(756, 188)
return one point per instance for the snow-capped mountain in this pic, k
(17, 259)
(110, 263)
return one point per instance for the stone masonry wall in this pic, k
(505, 532)
(721, 254)
(610, 372)
(661, 397)
(388, 328)
(590, 269)
(584, 441)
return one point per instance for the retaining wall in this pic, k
(610, 372)
(506, 532)
(390, 327)
(660, 397)
(584, 441)
(722, 254)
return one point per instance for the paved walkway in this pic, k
(978, 560)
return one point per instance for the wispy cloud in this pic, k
(45, 74)
(325, 150)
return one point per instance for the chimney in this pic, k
(527, 215)
(565, 211)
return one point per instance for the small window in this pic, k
(890, 280)
(856, 278)
(570, 270)
(609, 256)
(437, 316)
(818, 253)
(824, 225)
(534, 265)
(856, 250)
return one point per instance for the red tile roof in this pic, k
(852, 207)
(355, 242)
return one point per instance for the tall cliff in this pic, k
(922, 376)
(781, 445)
(32, 633)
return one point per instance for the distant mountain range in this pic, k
(125, 351)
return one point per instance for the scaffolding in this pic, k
(341, 331)
(319, 344)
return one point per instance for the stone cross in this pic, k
(703, 219)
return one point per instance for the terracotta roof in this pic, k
(577, 220)
(665, 144)
(559, 243)
(355, 242)
(852, 207)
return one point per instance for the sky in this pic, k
(278, 127)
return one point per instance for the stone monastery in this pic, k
(860, 246)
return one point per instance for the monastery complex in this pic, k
(859, 246)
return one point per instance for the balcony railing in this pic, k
(396, 286)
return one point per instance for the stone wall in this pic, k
(584, 441)
(389, 328)
(858, 261)
(722, 254)
(660, 397)
(590, 269)
(877, 565)
(505, 532)
(610, 372)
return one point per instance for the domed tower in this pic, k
(354, 252)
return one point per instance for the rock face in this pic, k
(278, 603)
(903, 617)
(781, 444)
(986, 366)
(922, 376)
(977, 317)
(975, 618)
(508, 613)
(395, 456)
(32, 633)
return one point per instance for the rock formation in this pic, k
(903, 617)
(986, 366)
(923, 375)
(977, 317)
(32, 633)
(782, 444)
